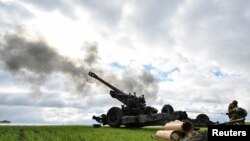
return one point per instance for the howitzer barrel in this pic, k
(104, 82)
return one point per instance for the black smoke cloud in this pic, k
(35, 61)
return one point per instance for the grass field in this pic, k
(77, 133)
(74, 133)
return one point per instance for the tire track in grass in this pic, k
(21, 135)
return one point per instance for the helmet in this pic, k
(235, 102)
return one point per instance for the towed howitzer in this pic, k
(135, 112)
(133, 105)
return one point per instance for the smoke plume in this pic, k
(142, 83)
(36, 60)
(91, 55)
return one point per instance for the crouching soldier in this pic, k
(236, 113)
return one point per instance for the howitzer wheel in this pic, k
(202, 118)
(167, 109)
(151, 110)
(114, 116)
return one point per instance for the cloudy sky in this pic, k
(192, 54)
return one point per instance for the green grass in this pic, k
(74, 133)
(77, 133)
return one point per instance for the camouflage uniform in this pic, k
(235, 112)
(232, 110)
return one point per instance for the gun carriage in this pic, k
(134, 111)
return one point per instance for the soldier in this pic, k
(235, 113)
(231, 110)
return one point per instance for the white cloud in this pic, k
(214, 31)
(197, 50)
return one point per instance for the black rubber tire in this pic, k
(167, 109)
(114, 116)
(202, 118)
(151, 110)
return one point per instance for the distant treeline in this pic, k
(5, 121)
